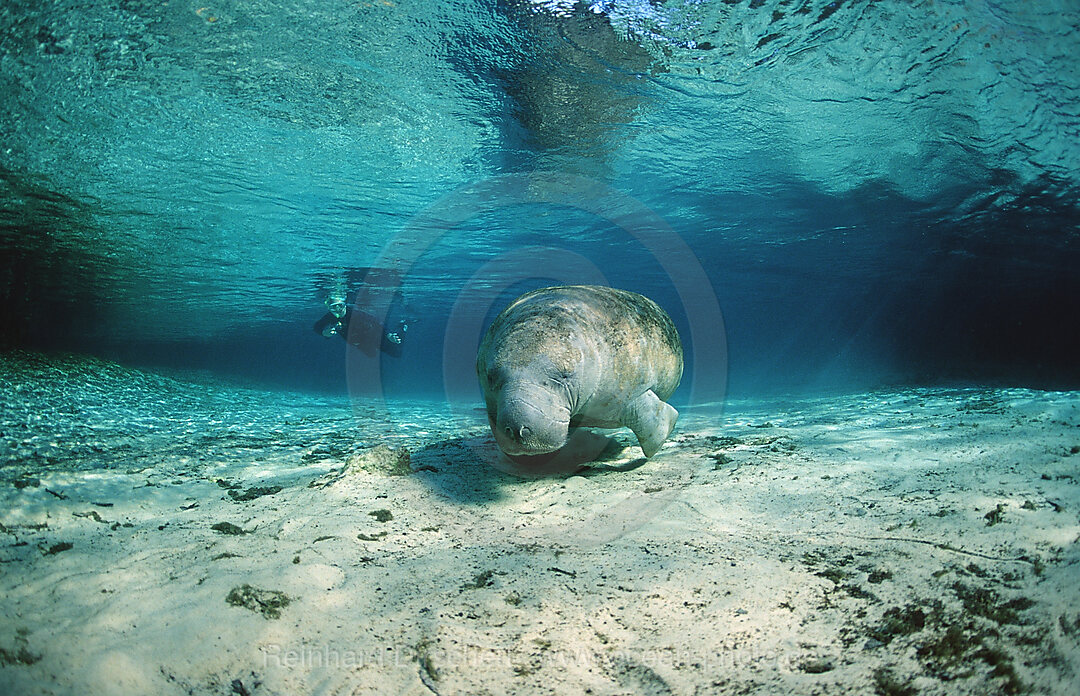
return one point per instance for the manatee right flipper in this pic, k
(651, 419)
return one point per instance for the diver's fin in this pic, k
(651, 419)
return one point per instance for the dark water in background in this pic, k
(864, 191)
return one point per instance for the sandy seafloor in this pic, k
(901, 541)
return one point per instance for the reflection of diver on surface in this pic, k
(359, 328)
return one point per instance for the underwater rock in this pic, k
(816, 665)
(381, 459)
(269, 603)
(995, 516)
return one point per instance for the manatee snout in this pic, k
(531, 420)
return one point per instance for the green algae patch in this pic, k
(228, 528)
(253, 493)
(986, 603)
(888, 684)
(381, 515)
(269, 603)
(18, 656)
(484, 579)
(20, 653)
(26, 481)
(57, 548)
(898, 621)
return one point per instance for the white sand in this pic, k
(839, 545)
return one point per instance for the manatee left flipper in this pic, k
(651, 419)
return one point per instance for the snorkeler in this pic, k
(358, 328)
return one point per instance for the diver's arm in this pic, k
(324, 322)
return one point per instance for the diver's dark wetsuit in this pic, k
(362, 331)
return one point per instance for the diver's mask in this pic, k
(336, 305)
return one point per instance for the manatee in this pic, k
(572, 356)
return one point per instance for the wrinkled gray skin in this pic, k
(578, 355)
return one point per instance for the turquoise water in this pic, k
(822, 194)
(863, 218)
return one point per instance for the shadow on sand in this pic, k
(471, 469)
